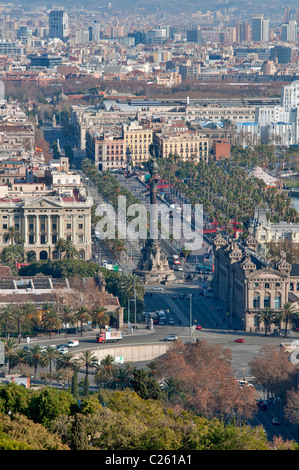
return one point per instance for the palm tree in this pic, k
(82, 316)
(6, 316)
(105, 370)
(50, 318)
(67, 317)
(121, 379)
(171, 388)
(50, 355)
(60, 247)
(66, 361)
(100, 317)
(10, 347)
(88, 360)
(70, 250)
(35, 358)
(267, 316)
(288, 313)
(12, 235)
(19, 315)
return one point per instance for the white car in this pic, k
(158, 288)
(171, 338)
(63, 350)
(73, 343)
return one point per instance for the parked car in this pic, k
(171, 321)
(174, 296)
(171, 338)
(239, 340)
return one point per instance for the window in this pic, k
(80, 226)
(256, 301)
(68, 226)
(267, 301)
(266, 285)
(297, 288)
(277, 301)
(291, 286)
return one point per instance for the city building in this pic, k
(42, 221)
(260, 29)
(221, 149)
(277, 125)
(245, 283)
(266, 232)
(58, 24)
(194, 35)
(137, 142)
(44, 61)
(187, 145)
(289, 32)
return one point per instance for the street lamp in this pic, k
(190, 314)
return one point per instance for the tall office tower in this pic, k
(289, 32)
(243, 32)
(286, 16)
(257, 28)
(266, 31)
(194, 35)
(58, 24)
(260, 29)
(95, 31)
(297, 15)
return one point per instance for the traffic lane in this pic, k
(202, 312)
(264, 418)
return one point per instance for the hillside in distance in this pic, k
(268, 7)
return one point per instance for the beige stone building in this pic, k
(187, 145)
(137, 141)
(115, 149)
(246, 284)
(43, 221)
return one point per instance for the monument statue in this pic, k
(153, 265)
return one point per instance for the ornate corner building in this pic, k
(246, 283)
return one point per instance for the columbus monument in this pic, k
(153, 265)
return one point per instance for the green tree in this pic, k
(146, 386)
(88, 360)
(82, 316)
(267, 316)
(6, 316)
(10, 347)
(288, 314)
(104, 371)
(50, 318)
(14, 399)
(79, 439)
(35, 358)
(48, 404)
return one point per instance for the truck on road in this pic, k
(109, 337)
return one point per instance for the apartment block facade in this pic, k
(187, 145)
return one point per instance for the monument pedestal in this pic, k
(153, 266)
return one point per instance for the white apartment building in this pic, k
(278, 125)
